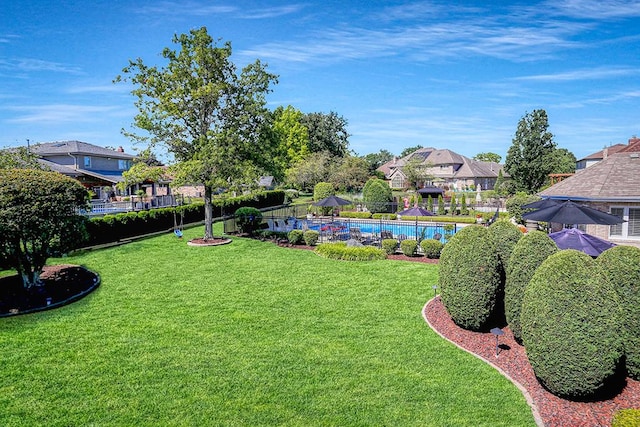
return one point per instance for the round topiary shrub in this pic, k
(431, 248)
(621, 265)
(571, 326)
(505, 235)
(469, 278)
(377, 195)
(248, 219)
(389, 246)
(311, 237)
(295, 237)
(409, 247)
(527, 255)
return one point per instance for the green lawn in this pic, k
(246, 334)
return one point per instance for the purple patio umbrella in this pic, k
(572, 238)
(571, 213)
(417, 211)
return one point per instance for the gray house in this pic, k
(95, 167)
(611, 185)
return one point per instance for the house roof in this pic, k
(463, 167)
(599, 155)
(77, 147)
(613, 179)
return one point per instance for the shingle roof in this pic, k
(613, 179)
(77, 147)
(613, 149)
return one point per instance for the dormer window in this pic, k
(87, 162)
(124, 165)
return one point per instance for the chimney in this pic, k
(395, 159)
(605, 153)
(120, 149)
(633, 140)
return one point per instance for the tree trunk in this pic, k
(208, 212)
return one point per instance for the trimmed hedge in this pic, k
(469, 278)
(431, 248)
(389, 246)
(112, 228)
(384, 216)
(571, 326)
(377, 195)
(311, 237)
(358, 215)
(409, 247)
(341, 251)
(621, 265)
(527, 255)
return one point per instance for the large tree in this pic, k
(350, 174)
(529, 159)
(207, 114)
(564, 161)
(19, 157)
(327, 132)
(375, 160)
(306, 173)
(290, 139)
(38, 219)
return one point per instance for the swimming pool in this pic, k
(399, 229)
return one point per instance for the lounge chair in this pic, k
(356, 234)
(386, 234)
(437, 236)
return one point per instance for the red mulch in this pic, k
(512, 360)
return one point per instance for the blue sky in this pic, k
(403, 73)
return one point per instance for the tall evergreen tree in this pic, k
(529, 159)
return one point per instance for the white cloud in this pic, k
(584, 74)
(59, 113)
(594, 9)
(27, 65)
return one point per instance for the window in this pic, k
(397, 182)
(123, 165)
(629, 229)
(87, 162)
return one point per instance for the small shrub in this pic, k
(431, 248)
(621, 266)
(469, 278)
(311, 237)
(409, 247)
(626, 418)
(248, 219)
(571, 326)
(295, 237)
(389, 246)
(527, 255)
(341, 251)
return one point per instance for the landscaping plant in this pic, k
(527, 255)
(571, 326)
(621, 266)
(469, 277)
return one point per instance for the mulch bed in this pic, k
(61, 284)
(512, 361)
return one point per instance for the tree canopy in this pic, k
(38, 219)
(410, 150)
(529, 159)
(327, 132)
(488, 157)
(209, 116)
